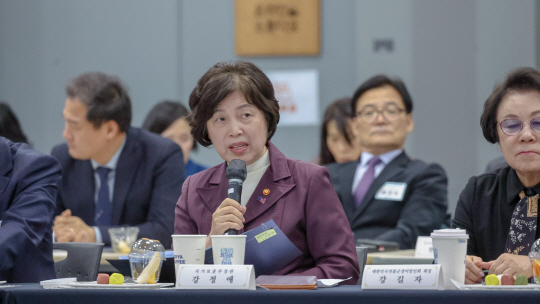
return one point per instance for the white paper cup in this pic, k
(188, 249)
(450, 251)
(228, 249)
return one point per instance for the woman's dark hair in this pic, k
(9, 125)
(105, 96)
(378, 81)
(163, 115)
(519, 80)
(340, 112)
(223, 79)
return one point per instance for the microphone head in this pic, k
(236, 170)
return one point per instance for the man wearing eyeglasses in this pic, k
(386, 195)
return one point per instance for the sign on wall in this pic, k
(277, 27)
(298, 95)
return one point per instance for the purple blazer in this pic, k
(301, 201)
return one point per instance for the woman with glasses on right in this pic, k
(499, 209)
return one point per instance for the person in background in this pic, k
(10, 127)
(168, 118)
(112, 174)
(499, 209)
(338, 142)
(28, 189)
(234, 109)
(386, 195)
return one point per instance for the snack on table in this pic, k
(534, 256)
(492, 280)
(102, 278)
(116, 279)
(145, 260)
(124, 247)
(507, 279)
(521, 279)
(536, 268)
(149, 272)
(122, 238)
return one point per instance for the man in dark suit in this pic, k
(113, 175)
(28, 188)
(386, 195)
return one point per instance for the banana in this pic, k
(150, 269)
(123, 247)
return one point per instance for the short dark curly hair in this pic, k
(223, 79)
(519, 80)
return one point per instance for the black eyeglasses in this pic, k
(514, 126)
(389, 112)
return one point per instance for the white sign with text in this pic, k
(424, 247)
(403, 277)
(216, 277)
(297, 92)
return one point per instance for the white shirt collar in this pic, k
(385, 157)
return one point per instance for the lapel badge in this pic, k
(261, 200)
(266, 191)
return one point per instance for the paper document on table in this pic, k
(57, 283)
(424, 247)
(287, 282)
(322, 283)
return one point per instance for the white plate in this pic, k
(56, 283)
(114, 286)
(495, 287)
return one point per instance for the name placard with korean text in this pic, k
(216, 277)
(403, 277)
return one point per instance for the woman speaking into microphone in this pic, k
(234, 110)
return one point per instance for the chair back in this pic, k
(82, 261)
(361, 253)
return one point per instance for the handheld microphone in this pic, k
(236, 173)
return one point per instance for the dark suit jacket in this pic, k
(148, 182)
(421, 211)
(28, 187)
(301, 201)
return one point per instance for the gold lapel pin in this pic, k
(266, 191)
